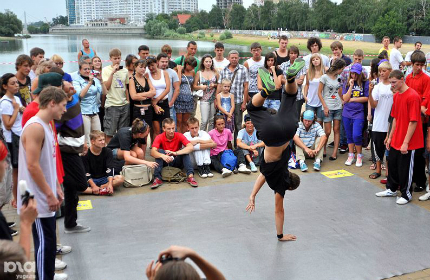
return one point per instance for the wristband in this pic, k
(197, 147)
(280, 235)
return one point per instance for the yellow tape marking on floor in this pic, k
(84, 205)
(337, 174)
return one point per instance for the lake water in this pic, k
(67, 46)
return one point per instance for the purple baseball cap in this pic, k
(356, 68)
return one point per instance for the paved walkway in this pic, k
(327, 165)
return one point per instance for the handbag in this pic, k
(136, 176)
(199, 93)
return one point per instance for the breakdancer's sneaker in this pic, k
(266, 79)
(298, 65)
(386, 193)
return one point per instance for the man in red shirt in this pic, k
(420, 82)
(405, 138)
(166, 150)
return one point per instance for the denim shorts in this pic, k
(317, 110)
(333, 115)
(272, 104)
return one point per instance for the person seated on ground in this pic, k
(166, 150)
(98, 163)
(202, 143)
(310, 139)
(171, 265)
(276, 131)
(129, 144)
(223, 137)
(251, 146)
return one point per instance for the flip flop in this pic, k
(373, 166)
(332, 158)
(265, 78)
(375, 175)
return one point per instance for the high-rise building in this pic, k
(180, 5)
(71, 12)
(224, 4)
(82, 11)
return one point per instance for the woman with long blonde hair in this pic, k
(313, 75)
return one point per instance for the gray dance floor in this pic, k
(343, 232)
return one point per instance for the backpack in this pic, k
(173, 174)
(228, 159)
(136, 176)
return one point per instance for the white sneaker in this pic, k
(359, 162)
(62, 250)
(350, 160)
(402, 201)
(242, 169)
(386, 193)
(60, 276)
(60, 265)
(226, 172)
(425, 197)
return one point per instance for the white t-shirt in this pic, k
(382, 93)
(325, 60)
(7, 109)
(221, 65)
(32, 75)
(395, 59)
(203, 135)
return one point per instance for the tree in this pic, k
(323, 15)
(237, 18)
(268, 10)
(215, 17)
(156, 28)
(390, 24)
(252, 18)
(9, 24)
(60, 20)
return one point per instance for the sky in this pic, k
(41, 9)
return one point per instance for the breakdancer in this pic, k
(276, 131)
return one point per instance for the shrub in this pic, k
(222, 37)
(181, 30)
(201, 34)
(212, 35)
(228, 34)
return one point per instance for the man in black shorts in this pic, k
(276, 131)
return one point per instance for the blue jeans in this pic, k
(343, 139)
(272, 104)
(182, 161)
(173, 114)
(354, 130)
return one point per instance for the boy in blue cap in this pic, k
(310, 139)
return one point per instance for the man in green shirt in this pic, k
(191, 51)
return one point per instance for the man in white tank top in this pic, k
(37, 166)
(253, 64)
